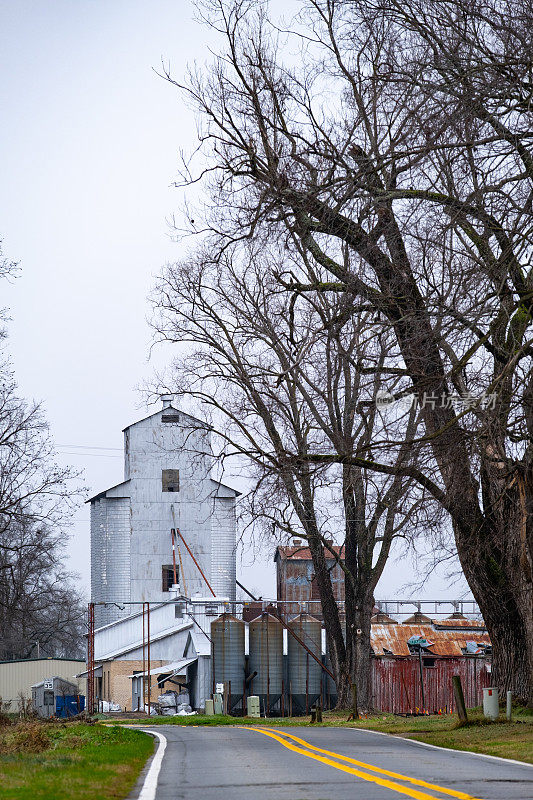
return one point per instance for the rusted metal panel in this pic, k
(473, 624)
(381, 618)
(396, 683)
(392, 639)
(252, 610)
(296, 579)
(417, 619)
(302, 553)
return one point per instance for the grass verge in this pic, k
(75, 761)
(505, 739)
(501, 738)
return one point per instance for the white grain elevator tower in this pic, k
(167, 462)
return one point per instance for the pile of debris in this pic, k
(173, 704)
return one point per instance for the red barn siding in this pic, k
(396, 683)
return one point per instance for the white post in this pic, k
(491, 708)
(509, 710)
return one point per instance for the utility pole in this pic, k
(421, 669)
(90, 662)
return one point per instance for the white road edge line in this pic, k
(150, 782)
(448, 749)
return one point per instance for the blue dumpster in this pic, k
(70, 705)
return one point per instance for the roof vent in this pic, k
(297, 542)
(167, 400)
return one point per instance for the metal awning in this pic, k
(174, 668)
(97, 672)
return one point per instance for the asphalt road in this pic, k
(231, 763)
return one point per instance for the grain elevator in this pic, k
(167, 484)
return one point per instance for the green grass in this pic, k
(201, 720)
(501, 738)
(76, 761)
(507, 740)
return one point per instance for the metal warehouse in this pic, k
(18, 677)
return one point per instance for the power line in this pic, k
(88, 447)
(95, 455)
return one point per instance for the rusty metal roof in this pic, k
(302, 553)
(454, 622)
(393, 639)
(417, 619)
(379, 618)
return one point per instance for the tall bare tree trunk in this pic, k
(497, 566)
(359, 655)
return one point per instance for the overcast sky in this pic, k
(89, 144)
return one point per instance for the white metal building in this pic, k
(180, 645)
(167, 483)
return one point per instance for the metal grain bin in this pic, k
(305, 674)
(266, 658)
(227, 655)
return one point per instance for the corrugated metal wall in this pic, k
(20, 676)
(396, 683)
(110, 557)
(223, 547)
(131, 522)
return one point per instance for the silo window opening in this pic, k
(171, 417)
(170, 479)
(315, 591)
(168, 577)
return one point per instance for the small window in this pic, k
(168, 577)
(170, 479)
(48, 698)
(173, 417)
(428, 662)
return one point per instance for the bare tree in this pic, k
(279, 380)
(32, 484)
(394, 152)
(38, 598)
(41, 610)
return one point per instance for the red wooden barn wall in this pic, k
(396, 683)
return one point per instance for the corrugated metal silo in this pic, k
(223, 561)
(266, 658)
(227, 653)
(305, 674)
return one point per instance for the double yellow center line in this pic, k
(410, 791)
